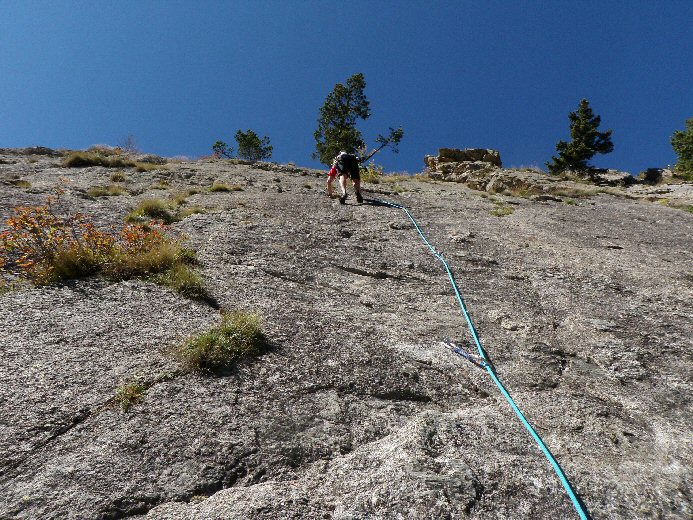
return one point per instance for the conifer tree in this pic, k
(221, 149)
(337, 123)
(586, 141)
(682, 143)
(251, 147)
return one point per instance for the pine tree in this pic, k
(586, 141)
(682, 143)
(251, 147)
(221, 149)
(337, 123)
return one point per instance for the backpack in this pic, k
(350, 161)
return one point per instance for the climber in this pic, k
(347, 164)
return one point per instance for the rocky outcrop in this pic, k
(357, 411)
(456, 165)
(34, 150)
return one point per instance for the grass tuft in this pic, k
(107, 159)
(191, 210)
(148, 167)
(107, 191)
(156, 258)
(118, 176)
(130, 394)
(156, 209)
(502, 211)
(239, 336)
(85, 159)
(221, 187)
(20, 183)
(185, 281)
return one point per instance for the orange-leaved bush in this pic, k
(44, 246)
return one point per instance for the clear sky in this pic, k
(179, 75)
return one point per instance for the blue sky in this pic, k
(494, 74)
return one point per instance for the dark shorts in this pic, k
(352, 172)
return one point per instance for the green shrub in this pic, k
(682, 143)
(650, 176)
(239, 336)
(251, 147)
(372, 173)
(156, 209)
(187, 256)
(107, 191)
(130, 394)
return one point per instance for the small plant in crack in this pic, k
(129, 394)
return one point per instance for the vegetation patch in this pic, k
(94, 158)
(190, 210)
(20, 183)
(43, 247)
(148, 167)
(185, 281)
(153, 209)
(167, 211)
(221, 187)
(238, 337)
(502, 211)
(161, 185)
(107, 158)
(118, 176)
(573, 193)
(372, 173)
(179, 198)
(107, 191)
(524, 191)
(129, 394)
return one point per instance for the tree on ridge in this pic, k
(586, 142)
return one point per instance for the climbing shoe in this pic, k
(359, 198)
(342, 199)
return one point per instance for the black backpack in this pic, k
(350, 162)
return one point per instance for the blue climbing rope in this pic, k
(488, 366)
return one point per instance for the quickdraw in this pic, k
(475, 360)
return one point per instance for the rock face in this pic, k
(357, 411)
(452, 164)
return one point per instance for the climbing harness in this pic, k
(482, 361)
